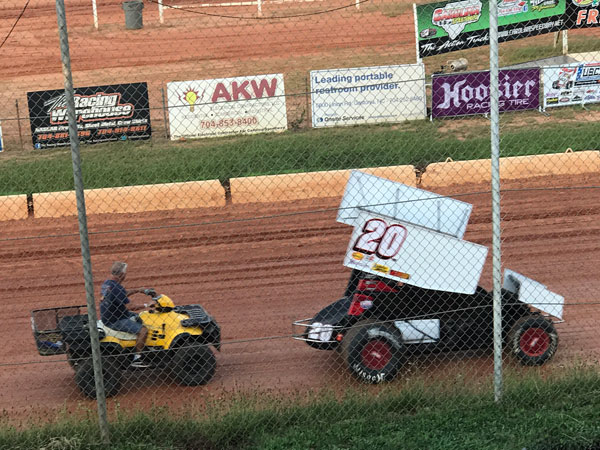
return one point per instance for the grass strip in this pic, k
(556, 413)
(417, 143)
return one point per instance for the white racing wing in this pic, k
(405, 203)
(414, 255)
(534, 293)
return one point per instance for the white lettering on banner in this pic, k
(457, 94)
(99, 106)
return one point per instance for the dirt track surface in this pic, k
(256, 276)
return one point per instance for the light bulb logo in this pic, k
(191, 97)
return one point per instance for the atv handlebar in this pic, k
(151, 292)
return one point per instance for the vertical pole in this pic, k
(495, 158)
(358, 4)
(307, 95)
(95, 13)
(82, 219)
(19, 124)
(259, 5)
(160, 11)
(162, 90)
(416, 32)
(565, 42)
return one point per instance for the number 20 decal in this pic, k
(379, 238)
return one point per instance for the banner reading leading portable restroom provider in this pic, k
(226, 106)
(116, 112)
(572, 84)
(468, 93)
(367, 95)
(448, 26)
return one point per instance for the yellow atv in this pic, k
(179, 340)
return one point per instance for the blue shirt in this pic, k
(114, 299)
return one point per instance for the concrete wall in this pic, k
(288, 187)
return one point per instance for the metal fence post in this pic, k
(82, 219)
(495, 159)
(95, 13)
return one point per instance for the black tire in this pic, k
(111, 373)
(533, 340)
(193, 364)
(373, 351)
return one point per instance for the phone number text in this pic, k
(233, 122)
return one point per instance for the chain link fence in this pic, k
(301, 192)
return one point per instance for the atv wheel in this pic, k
(373, 351)
(533, 340)
(111, 374)
(193, 365)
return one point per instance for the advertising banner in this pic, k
(582, 14)
(457, 25)
(116, 112)
(367, 95)
(572, 84)
(414, 255)
(227, 106)
(468, 93)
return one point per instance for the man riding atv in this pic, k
(178, 339)
(115, 314)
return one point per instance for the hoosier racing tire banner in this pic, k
(463, 94)
(117, 112)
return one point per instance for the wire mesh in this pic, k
(301, 192)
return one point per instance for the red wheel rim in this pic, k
(534, 341)
(376, 355)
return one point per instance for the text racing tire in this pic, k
(533, 340)
(373, 351)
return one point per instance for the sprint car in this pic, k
(414, 286)
(379, 323)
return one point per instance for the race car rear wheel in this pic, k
(533, 340)
(193, 364)
(373, 351)
(111, 375)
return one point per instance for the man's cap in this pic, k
(118, 268)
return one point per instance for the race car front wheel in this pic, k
(373, 351)
(533, 340)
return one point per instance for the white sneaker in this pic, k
(138, 362)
